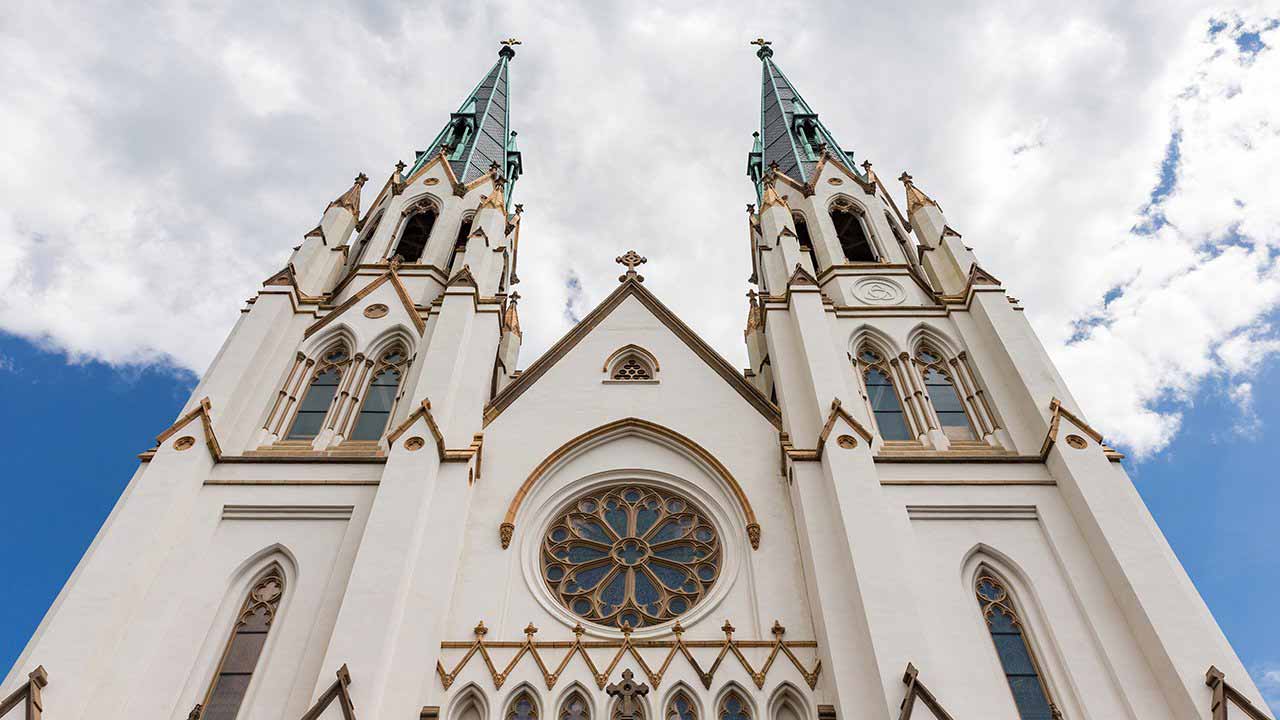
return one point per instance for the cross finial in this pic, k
(400, 166)
(764, 51)
(905, 178)
(508, 50)
(632, 260)
(628, 691)
(760, 41)
(510, 41)
(480, 629)
(361, 179)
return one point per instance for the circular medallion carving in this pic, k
(186, 442)
(630, 555)
(835, 181)
(879, 291)
(376, 311)
(1077, 442)
(848, 442)
(414, 444)
(431, 181)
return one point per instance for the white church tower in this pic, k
(366, 511)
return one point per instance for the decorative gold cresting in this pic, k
(916, 198)
(632, 260)
(675, 645)
(351, 198)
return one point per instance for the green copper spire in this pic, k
(479, 133)
(790, 133)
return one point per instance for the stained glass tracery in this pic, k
(630, 555)
(1019, 664)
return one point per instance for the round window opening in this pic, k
(630, 555)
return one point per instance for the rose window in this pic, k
(631, 556)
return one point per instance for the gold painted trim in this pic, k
(201, 411)
(917, 691)
(337, 691)
(475, 449)
(29, 694)
(626, 646)
(401, 292)
(508, 521)
(632, 288)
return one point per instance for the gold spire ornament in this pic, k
(916, 198)
(632, 260)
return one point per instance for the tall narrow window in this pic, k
(522, 707)
(459, 247)
(885, 404)
(365, 237)
(380, 398)
(733, 707)
(575, 707)
(681, 707)
(942, 394)
(852, 233)
(243, 649)
(417, 230)
(1020, 668)
(805, 240)
(319, 395)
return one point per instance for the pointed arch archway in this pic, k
(632, 426)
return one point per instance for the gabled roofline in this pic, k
(631, 287)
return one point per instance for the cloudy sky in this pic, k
(1114, 163)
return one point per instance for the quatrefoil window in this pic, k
(630, 555)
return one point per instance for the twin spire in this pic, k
(791, 137)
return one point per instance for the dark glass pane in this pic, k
(381, 395)
(257, 621)
(1001, 622)
(945, 398)
(955, 419)
(683, 708)
(883, 397)
(242, 656)
(1012, 650)
(1029, 696)
(224, 703)
(645, 518)
(591, 530)
(321, 392)
(853, 237)
(614, 592)
(369, 425)
(892, 425)
(670, 530)
(306, 425)
(990, 590)
(669, 576)
(591, 577)
(646, 591)
(876, 378)
(574, 709)
(582, 553)
(616, 516)
(522, 709)
(678, 553)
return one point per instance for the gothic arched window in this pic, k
(1016, 658)
(459, 246)
(240, 657)
(417, 231)
(380, 397)
(734, 707)
(522, 707)
(319, 395)
(885, 403)
(946, 401)
(855, 240)
(575, 707)
(681, 707)
(805, 239)
(630, 555)
(631, 363)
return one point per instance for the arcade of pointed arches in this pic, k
(680, 702)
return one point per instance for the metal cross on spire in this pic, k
(628, 691)
(510, 41)
(760, 41)
(632, 260)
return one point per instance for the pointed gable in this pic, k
(632, 289)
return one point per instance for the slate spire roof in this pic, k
(790, 133)
(479, 133)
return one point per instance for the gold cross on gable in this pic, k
(760, 41)
(510, 41)
(632, 260)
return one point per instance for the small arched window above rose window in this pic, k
(631, 364)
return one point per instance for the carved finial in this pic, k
(632, 260)
(480, 630)
(727, 629)
(508, 49)
(871, 175)
(628, 691)
(916, 198)
(578, 630)
(195, 712)
(351, 198)
(361, 179)
(778, 630)
(764, 51)
(505, 531)
(760, 41)
(751, 208)
(678, 629)
(519, 208)
(530, 630)
(626, 629)
(753, 533)
(510, 41)
(400, 166)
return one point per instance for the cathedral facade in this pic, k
(366, 510)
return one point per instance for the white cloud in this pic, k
(158, 165)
